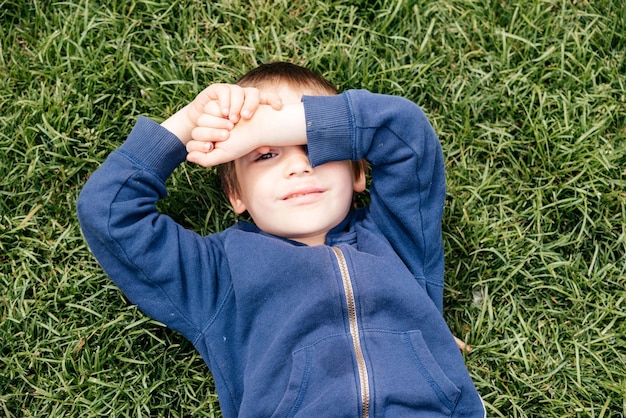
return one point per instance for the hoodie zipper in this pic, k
(354, 332)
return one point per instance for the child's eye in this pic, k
(266, 156)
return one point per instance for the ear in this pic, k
(238, 206)
(359, 182)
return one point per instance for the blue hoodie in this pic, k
(353, 328)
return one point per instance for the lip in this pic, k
(304, 195)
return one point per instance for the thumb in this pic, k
(209, 159)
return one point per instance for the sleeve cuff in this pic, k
(329, 128)
(154, 147)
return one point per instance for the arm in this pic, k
(408, 178)
(164, 269)
(169, 272)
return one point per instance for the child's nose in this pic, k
(298, 163)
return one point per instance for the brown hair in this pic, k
(272, 74)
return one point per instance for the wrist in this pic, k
(283, 127)
(180, 125)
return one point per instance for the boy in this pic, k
(317, 309)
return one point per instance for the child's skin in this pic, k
(280, 190)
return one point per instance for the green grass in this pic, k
(528, 98)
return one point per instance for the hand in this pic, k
(234, 102)
(212, 145)
(227, 103)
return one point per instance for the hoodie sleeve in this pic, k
(166, 270)
(408, 179)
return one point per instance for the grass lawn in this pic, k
(529, 100)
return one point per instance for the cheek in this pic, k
(256, 188)
(341, 172)
(247, 179)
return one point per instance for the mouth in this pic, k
(303, 196)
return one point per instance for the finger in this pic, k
(200, 158)
(200, 146)
(205, 134)
(237, 98)
(213, 108)
(214, 92)
(222, 95)
(215, 122)
(208, 159)
(251, 103)
(271, 99)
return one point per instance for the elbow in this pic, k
(89, 208)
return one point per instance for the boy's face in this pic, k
(286, 197)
